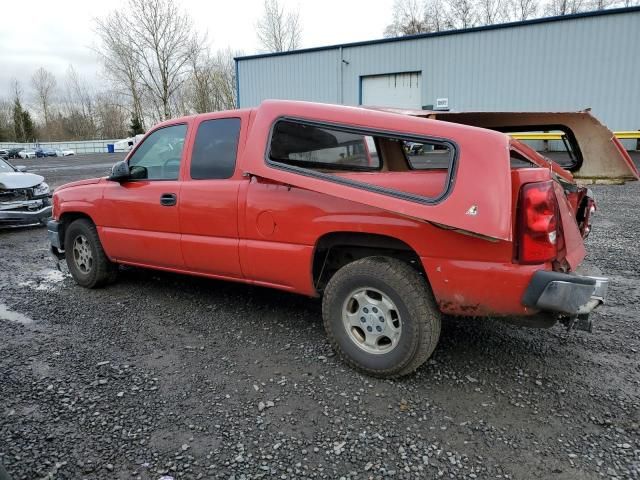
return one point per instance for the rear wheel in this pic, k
(85, 256)
(380, 316)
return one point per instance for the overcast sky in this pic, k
(56, 33)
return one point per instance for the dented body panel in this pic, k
(604, 160)
(24, 197)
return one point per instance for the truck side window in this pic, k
(428, 155)
(215, 149)
(158, 157)
(387, 162)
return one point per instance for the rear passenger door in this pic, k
(209, 200)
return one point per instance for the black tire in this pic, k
(418, 315)
(97, 272)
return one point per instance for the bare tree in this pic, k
(600, 4)
(278, 30)
(564, 7)
(149, 54)
(436, 16)
(408, 19)
(120, 61)
(200, 86)
(225, 79)
(44, 84)
(78, 105)
(462, 13)
(212, 85)
(163, 43)
(523, 9)
(491, 12)
(111, 115)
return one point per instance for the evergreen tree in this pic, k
(28, 127)
(18, 121)
(6, 134)
(136, 126)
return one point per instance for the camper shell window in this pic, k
(351, 155)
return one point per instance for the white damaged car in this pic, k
(25, 198)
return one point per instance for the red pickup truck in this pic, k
(393, 219)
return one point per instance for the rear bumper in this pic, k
(565, 293)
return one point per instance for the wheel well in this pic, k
(334, 250)
(66, 219)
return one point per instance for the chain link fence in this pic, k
(79, 147)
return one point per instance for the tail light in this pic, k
(537, 223)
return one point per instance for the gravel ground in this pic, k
(60, 170)
(164, 375)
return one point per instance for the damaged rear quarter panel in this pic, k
(476, 288)
(603, 158)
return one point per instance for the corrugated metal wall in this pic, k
(561, 65)
(312, 76)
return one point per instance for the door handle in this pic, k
(168, 199)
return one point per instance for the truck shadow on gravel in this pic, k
(463, 339)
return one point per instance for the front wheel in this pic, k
(87, 262)
(380, 316)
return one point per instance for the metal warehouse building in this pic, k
(551, 64)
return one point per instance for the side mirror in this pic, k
(119, 172)
(21, 168)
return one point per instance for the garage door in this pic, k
(400, 90)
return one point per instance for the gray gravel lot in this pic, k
(60, 170)
(161, 374)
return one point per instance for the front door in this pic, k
(141, 222)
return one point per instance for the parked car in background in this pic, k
(27, 154)
(65, 152)
(46, 152)
(127, 144)
(14, 152)
(4, 154)
(24, 197)
(476, 224)
(413, 148)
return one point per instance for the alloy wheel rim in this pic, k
(82, 254)
(371, 320)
